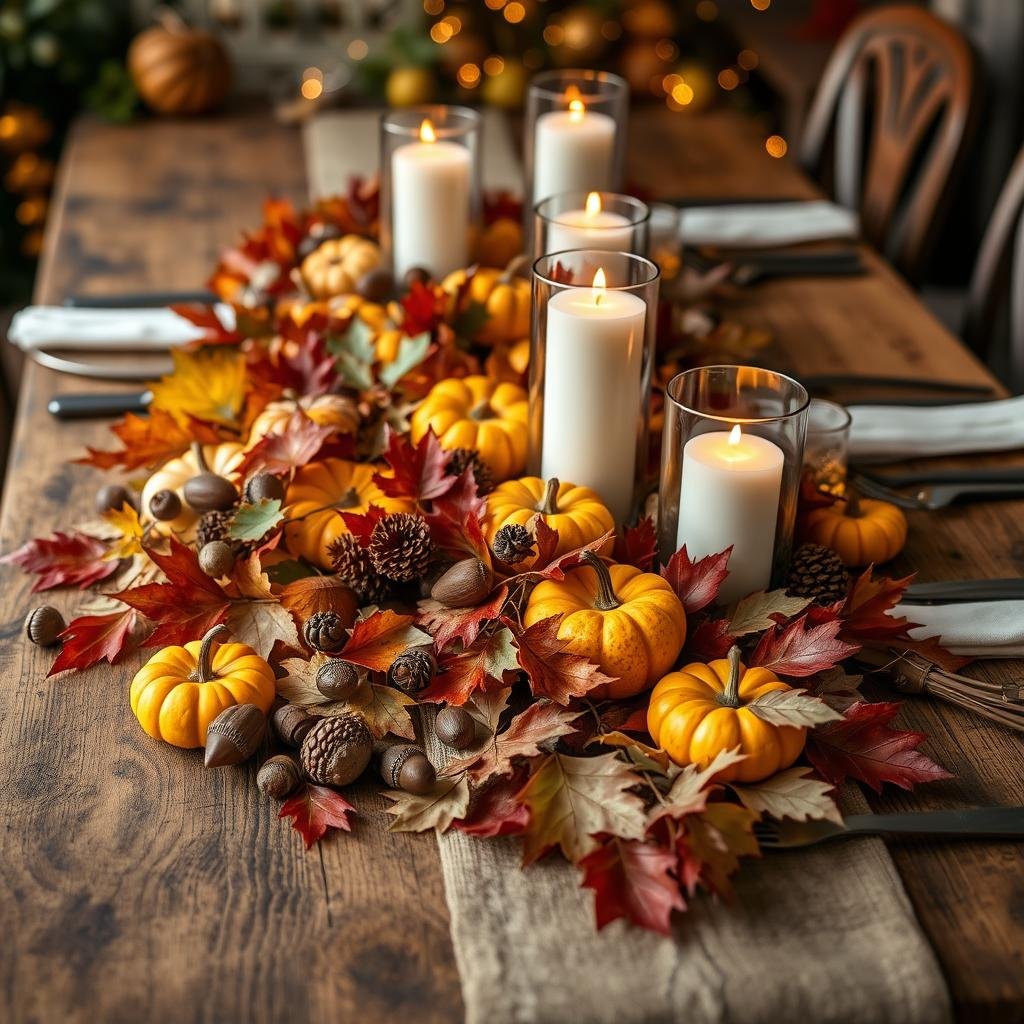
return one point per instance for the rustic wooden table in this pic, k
(137, 886)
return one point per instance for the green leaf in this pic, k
(470, 322)
(754, 614)
(411, 352)
(283, 573)
(253, 522)
(356, 352)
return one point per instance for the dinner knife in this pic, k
(96, 406)
(1005, 475)
(832, 381)
(954, 591)
(140, 300)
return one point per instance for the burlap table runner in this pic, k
(820, 936)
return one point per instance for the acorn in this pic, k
(292, 723)
(413, 670)
(43, 625)
(376, 285)
(465, 584)
(337, 750)
(165, 505)
(264, 487)
(278, 776)
(216, 559)
(405, 766)
(234, 735)
(324, 631)
(208, 491)
(337, 680)
(113, 496)
(455, 728)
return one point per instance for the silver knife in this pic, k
(953, 591)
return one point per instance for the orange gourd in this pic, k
(504, 295)
(181, 690)
(700, 711)
(334, 266)
(336, 411)
(630, 623)
(861, 531)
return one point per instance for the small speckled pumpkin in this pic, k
(861, 531)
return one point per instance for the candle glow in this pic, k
(427, 133)
(593, 205)
(599, 285)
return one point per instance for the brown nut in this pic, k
(234, 735)
(208, 492)
(264, 487)
(405, 766)
(43, 625)
(165, 505)
(278, 776)
(337, 680)
(292, 723)
(337, 750)
(113, 496)
(216, 559)
(464, 585)
(455, 728)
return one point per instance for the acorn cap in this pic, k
(234, 735)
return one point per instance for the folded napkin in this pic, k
(752, 225)
(40, 327)
(978, 629)
(904, 432)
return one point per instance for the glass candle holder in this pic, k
(826, 450)
(430, 188)
(608, 221)
(575, 133)
(591, 356)
(731, 459)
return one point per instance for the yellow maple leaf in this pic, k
(208, 384)
(129, 540)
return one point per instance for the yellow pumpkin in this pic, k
(861, 531)
(181, 690)
(504, 295)
(630, 623)
(577, 513)
(700, 711)
(499, 242)
(334, 267)
(316, 498)
(222, 459)
(476, 412)
(509, 362)
(328, 410)
(387, 343)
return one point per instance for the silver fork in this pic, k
(979, 822)
(935, 496)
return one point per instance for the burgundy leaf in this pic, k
(696, 583)
(64, 560)
(800, 650)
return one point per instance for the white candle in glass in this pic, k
(593, 364)
(430, 184)
(729, 495)
(589, 228)
(573, 151)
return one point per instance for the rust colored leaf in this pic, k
(378, 639)
(63, 560)
(448, 625)
(298, 444)
(418, 471)
(488, 663)
(150, 440)
(495, 808)
(798, 650)
(315, 811)
(93, 638)
(638, 545)
(312, 594)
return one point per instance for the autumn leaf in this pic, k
(794, 708)
(253, 522)
(316, 810)
(484, 664)
(377, 640)
(638, 545)
(758, 612)
(696, 583)
(487, 707)
(125, 521)
(261, 624)
(384, 709)
(692, 787)
(709, 640)
(298, 685)
(150, 441)
(206, 319)
(863, 747)
(837, 688)
(574, 799)
(712, 843)
(89, 639)
(495, 808)
(417, 471)
(303, 366)
(553, 671)
(412, 351)
(801, 650)
(456, 520)
(633, 879)
(448, 625)
(643, 755)
(209, 384)
(296, 445)
(447, 800)
(311, 594)
(63, 560)
(790, 794)
(550, 567)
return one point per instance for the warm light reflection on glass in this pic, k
(776, 146)
(433, 7)
(494, 65)
(468, 76)
(312, 88)
(514, 12)
(728, 79)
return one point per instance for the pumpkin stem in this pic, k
(197, 451)
(482, 411)
(513, 268)
(202, 672)
(852, 509)
(169, 19)
(730, 697)
(350, 499)
(549, 503)
(606, 598)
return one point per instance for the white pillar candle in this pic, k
(729, 495)
(573, 151)
(430, 184)
(589, 228)
(593, 363)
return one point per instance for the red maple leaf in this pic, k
(553, 671)
(303, 365)
(709, 640)
(862, 746)
(424, 307)
(378, 639)
(495, 809)
(799, 649)
(92, 638)
(483, 665)
(64, 560)
(361, 524)
(314, 811)
(633, 879)
(446, 625)
(207, 320)
(418, 471)
(187, 606)
(638, 545)
(299, 443)
(696, 583)
(456, 520)
(546, 567)
(150, 440)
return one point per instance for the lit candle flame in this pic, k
(427, 133)
(735, 435)
(599, 285)
(576, 107)
(593, 207)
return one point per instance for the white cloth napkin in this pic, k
(977, 629)
(898, 432)
(752, 225)
(41, 327)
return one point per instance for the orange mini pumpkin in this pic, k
(861, 531)
(502, 293)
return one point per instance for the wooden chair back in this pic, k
(897, 103)
(997, 284)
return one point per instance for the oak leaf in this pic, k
(89, 639)
(209, 384)
(63, 560)
(378, 639)
(790, 794)
(447, 800)
(485, 664)
(316, 810)
(696, 583)
(799, 650)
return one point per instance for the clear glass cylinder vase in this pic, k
(429, 188)
(609, 221)
(731, 459)
(591, 357)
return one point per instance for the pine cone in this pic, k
(512, 543)
(324, 631)
(818, 572)
(400, 547)
(413, 670)
(460, 458)
(337, 750)
(214, 526)
(351, 562)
